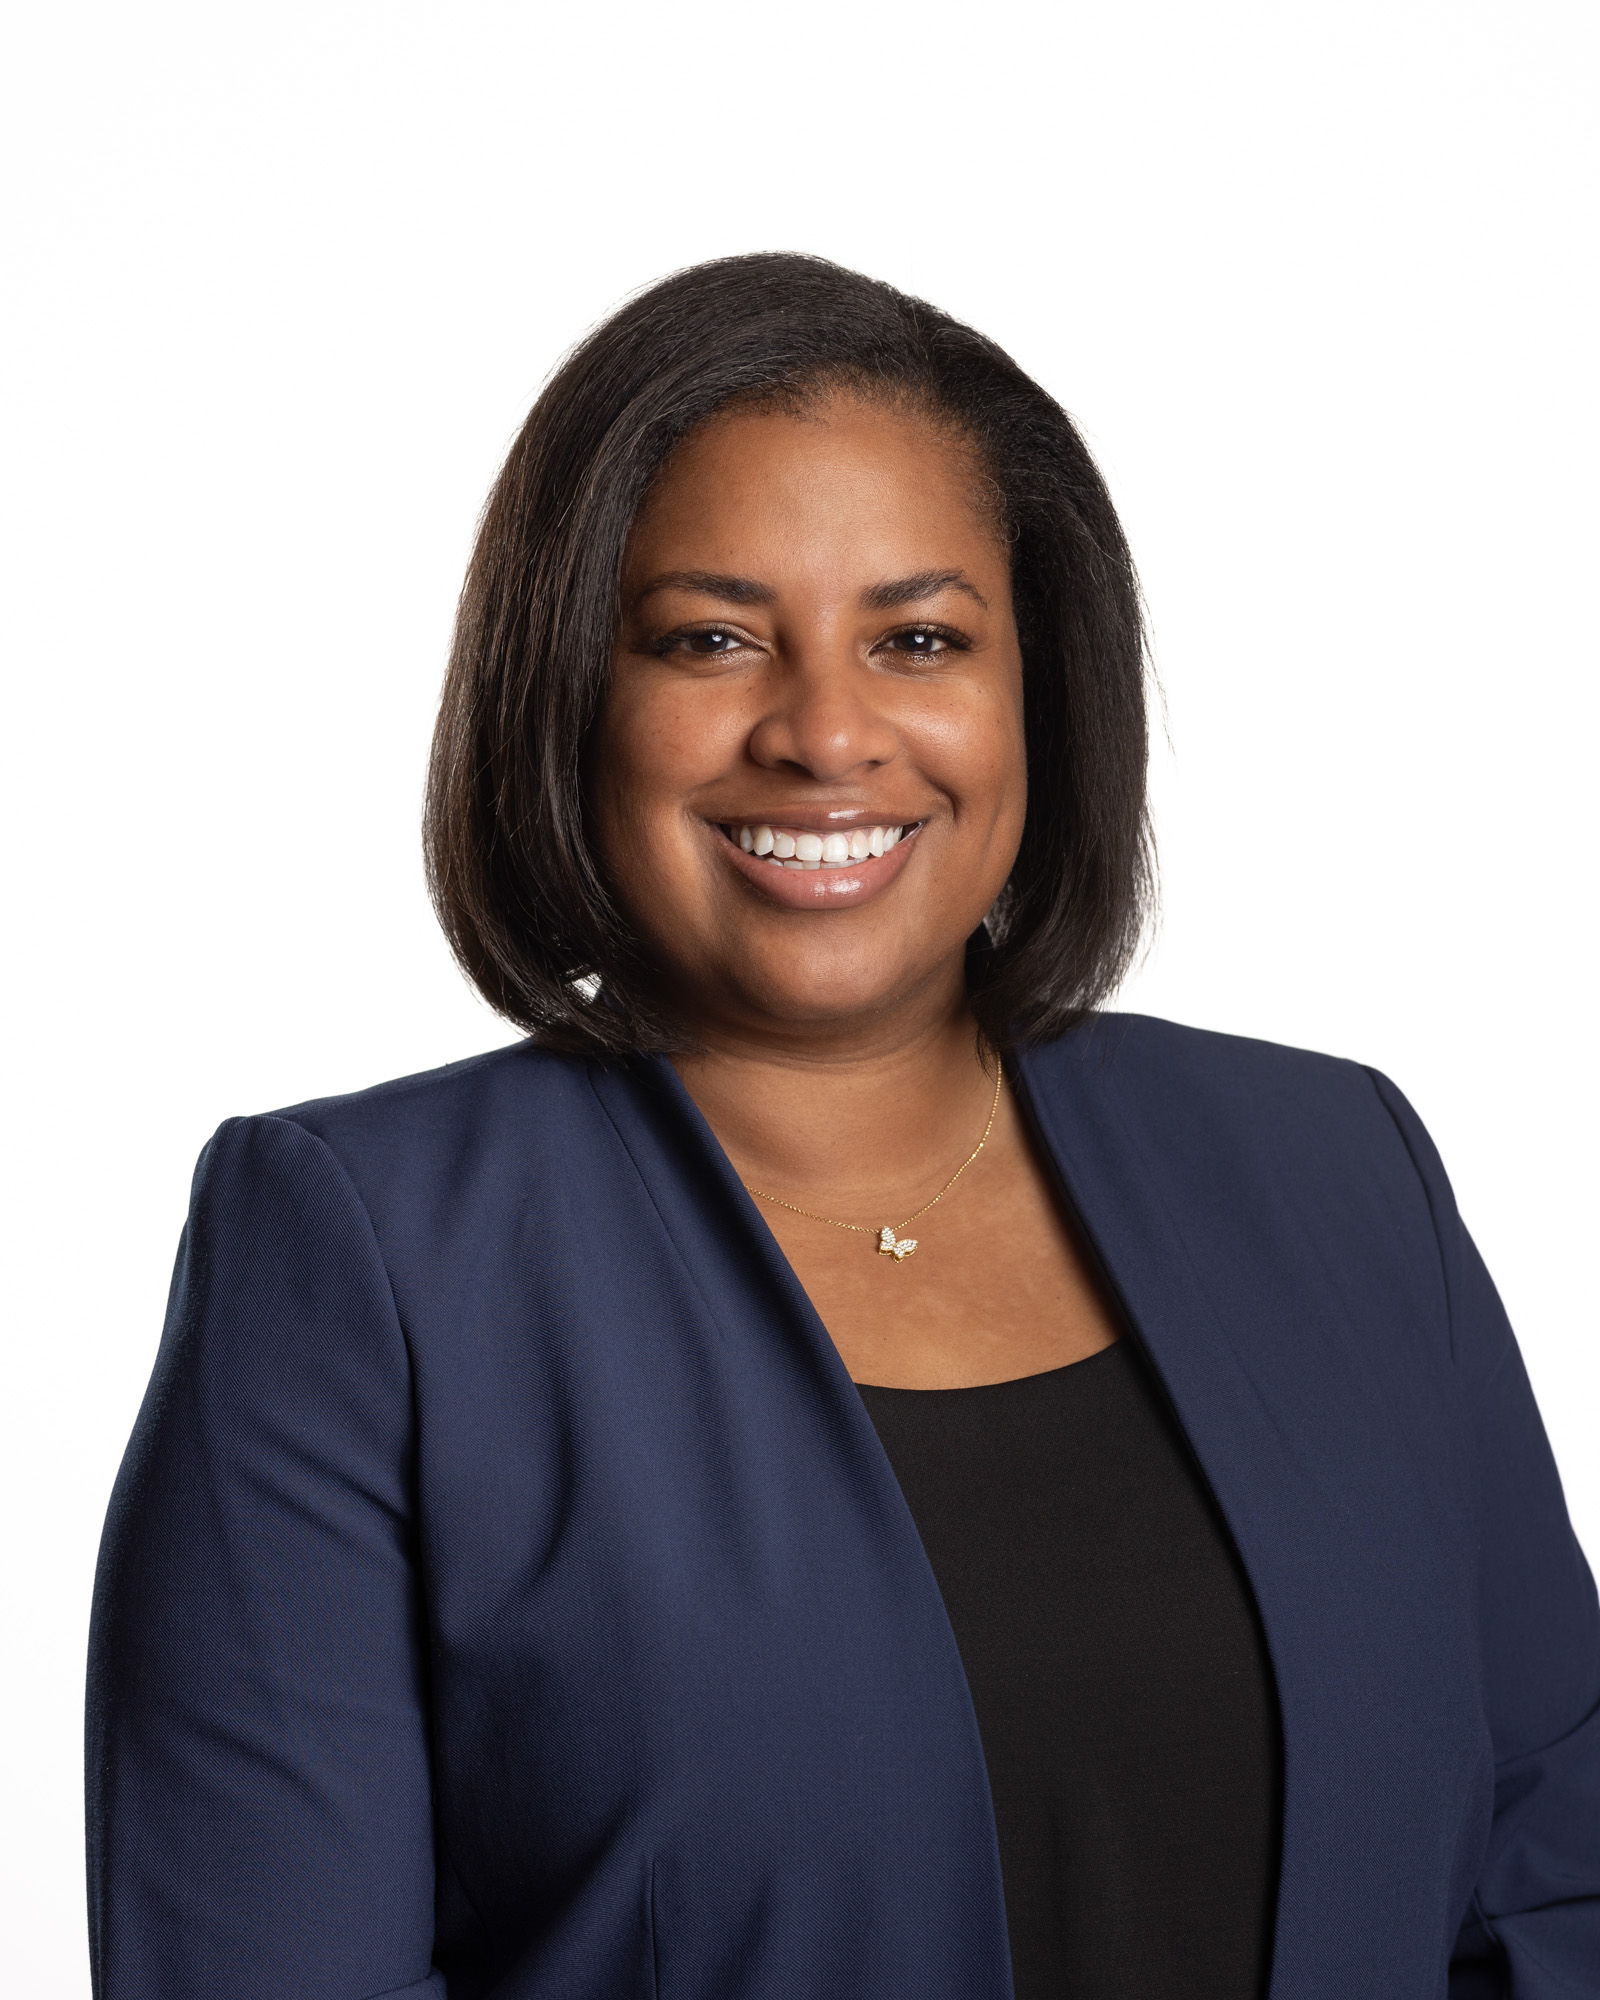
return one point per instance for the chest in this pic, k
(998, 1286)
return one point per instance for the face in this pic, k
(808, 780)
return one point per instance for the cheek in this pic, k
(664, 737)
(642, 750)
(657, 742)
(976, 752)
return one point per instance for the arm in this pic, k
(258, 1790)
(1533, 1930)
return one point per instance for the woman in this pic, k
(835, 1467)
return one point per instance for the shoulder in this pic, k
(1233, 1107)
(1136, 1058)
(503, 1082)
(508, 1114)
(521, 1095)
(1265, 1158)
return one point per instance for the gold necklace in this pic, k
(890, 1242)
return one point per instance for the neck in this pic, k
(843, 1120)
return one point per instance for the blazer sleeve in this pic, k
(1533, 1930)
(259, 1818)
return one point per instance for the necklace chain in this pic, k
(890, 1242)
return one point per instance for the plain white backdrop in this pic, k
(1319, 284)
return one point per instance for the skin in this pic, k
(817, 632)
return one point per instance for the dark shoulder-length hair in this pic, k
(512, 868)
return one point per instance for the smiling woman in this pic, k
(676, 417)
(578, 1542)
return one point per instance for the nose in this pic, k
(826, 717)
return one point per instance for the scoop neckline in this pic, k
(1010, 1381)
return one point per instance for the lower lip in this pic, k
(820, 888)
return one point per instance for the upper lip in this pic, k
(817, 819)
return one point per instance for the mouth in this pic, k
(799, 848)
(818, 868)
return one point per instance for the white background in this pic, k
(1318, 282)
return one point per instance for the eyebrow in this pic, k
(912, 589)
(710, 583)
(877, 597)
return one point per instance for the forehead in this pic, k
(843, 474)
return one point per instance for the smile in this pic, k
(786, 847)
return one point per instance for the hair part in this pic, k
(512, 870)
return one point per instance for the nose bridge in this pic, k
(824, 714)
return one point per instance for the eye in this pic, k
(706, 642)
(924, 642)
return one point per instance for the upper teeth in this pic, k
(817, 850)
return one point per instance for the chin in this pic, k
(817, 996)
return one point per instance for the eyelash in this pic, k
(672, 642)
(949, 640)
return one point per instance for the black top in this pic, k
(1118, 1673)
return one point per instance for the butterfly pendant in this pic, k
(897, 1247)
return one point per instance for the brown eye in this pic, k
(925, 642)
(706, 642)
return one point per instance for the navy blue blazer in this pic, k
(505, 1592)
